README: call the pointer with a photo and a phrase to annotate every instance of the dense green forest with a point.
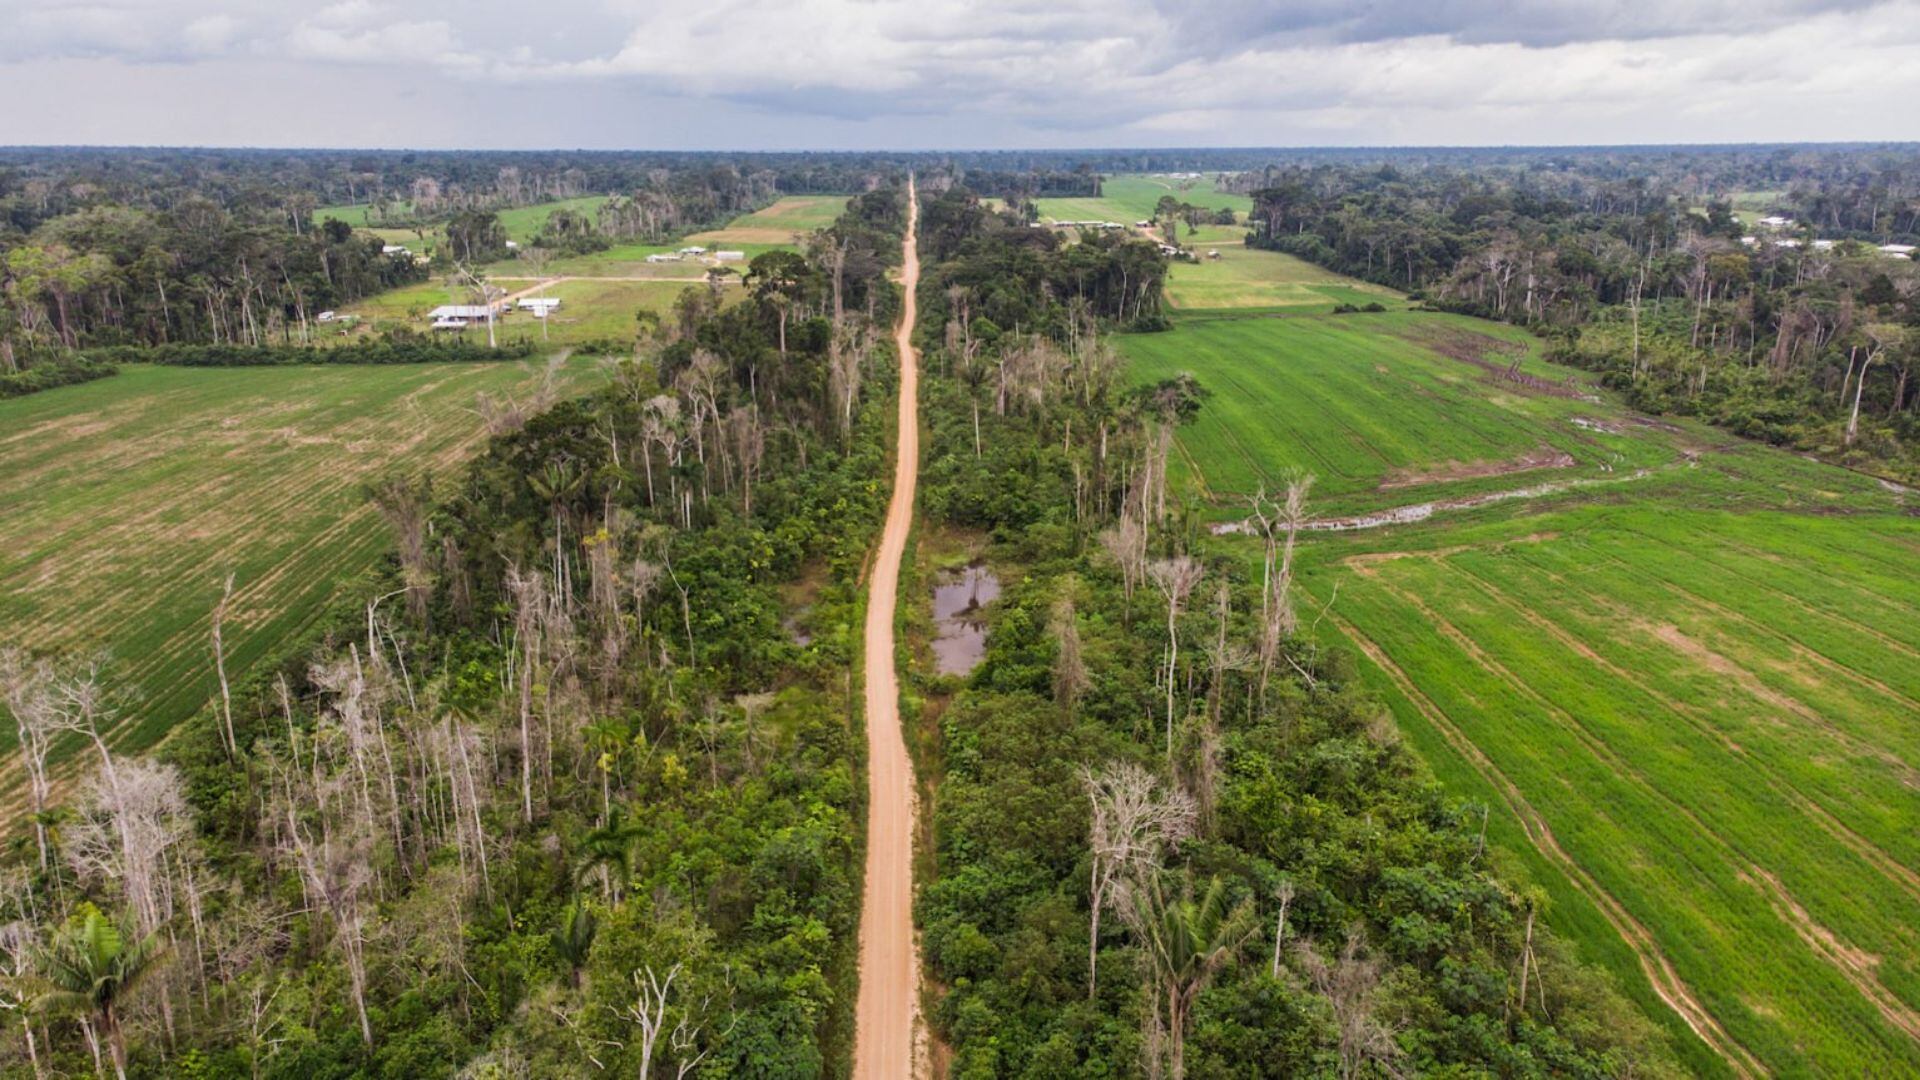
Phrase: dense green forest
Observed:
(1802, 335)
(572, 790)
(1172, 837)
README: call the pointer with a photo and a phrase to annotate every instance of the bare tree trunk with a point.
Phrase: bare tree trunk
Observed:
(220, 665)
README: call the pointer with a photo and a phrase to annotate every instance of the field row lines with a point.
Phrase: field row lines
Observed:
(1897, 874)
(1659, 971)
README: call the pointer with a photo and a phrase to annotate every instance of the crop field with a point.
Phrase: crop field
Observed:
(1681, 671)
(1131, 197)
(1371, 404)
(777, 225)
(1231, 275)
(130, 498)
(521, 222)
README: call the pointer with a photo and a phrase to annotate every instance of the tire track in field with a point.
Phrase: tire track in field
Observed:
(1594, 744)
(1666, 982)
(1799, 648)
(1855, 965)
(1757, 688)
(1896, 873)
(1726, 667)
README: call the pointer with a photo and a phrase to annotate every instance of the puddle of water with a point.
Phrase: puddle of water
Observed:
(961, 639)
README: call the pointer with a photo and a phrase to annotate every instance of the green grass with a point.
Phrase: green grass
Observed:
(1129, 198)
(1243, 277)
(590, 310)
(1364, 400)
(776, 226)
(523, 223)
(131, 497)
(1695, 661)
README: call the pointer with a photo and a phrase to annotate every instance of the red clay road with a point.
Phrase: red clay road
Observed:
(884, 1044)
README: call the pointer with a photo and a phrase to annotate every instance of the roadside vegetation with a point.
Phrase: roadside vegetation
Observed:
(568, 787)
(1171, 835)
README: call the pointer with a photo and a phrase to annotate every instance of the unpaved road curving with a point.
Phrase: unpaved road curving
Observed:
(886, 1015)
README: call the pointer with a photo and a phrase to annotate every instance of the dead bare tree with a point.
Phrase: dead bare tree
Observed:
(406, 504)
(1348, 983)
(1133, 821)
(1175, 578)
(220, 665)
(846, 359)
(18, 947)
(1279, 530)
(1070, 678)
(1126, 541)
(749, 437)
(27, 690)
(1285, 894)
(649, 1011)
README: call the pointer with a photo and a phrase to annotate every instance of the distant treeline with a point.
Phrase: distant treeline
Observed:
(1804, 335)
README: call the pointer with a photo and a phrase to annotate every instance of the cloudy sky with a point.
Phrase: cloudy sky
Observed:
(912, 74)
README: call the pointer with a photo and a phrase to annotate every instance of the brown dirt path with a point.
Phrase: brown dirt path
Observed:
(886, 1016)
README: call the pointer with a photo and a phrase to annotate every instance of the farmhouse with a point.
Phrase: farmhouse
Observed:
(1898, 251)
(730, 256)
(1775, 221)
(457, 316)
(669, 257)
(539, 305)
(394, 249)
(694, 250)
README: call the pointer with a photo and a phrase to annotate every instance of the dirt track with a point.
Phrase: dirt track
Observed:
(887, 1013)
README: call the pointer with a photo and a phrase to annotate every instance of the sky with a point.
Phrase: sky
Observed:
(933, 74)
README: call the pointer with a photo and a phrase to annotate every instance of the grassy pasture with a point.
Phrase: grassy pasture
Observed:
(1367, 400)
(1683, 672)
(1131, 197)
(589, 310)
(775, 226)
(131, 497)
(523, 223)
(1243, 277)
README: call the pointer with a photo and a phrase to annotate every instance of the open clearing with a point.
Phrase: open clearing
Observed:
(130, 498)
(1131, 197)
(1230, 275)
(1682, 670)
(590, 310)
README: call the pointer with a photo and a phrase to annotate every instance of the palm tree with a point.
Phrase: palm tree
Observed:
(93, 969)
(609, 849)
(1188, 942)
(573, 938)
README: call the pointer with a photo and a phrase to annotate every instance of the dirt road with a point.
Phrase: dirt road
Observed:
(887, 1013)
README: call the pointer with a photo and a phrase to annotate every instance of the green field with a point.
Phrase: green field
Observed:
(131, 497)
(1131, 197)
(590, 310)
(521, 222)
(1231, 275)
(1683, 671)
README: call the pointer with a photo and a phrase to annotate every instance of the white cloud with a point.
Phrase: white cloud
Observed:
(925, 72)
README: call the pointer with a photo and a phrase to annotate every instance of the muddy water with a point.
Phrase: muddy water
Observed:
(961, 639)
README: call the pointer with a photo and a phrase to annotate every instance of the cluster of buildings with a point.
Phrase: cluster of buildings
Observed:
(461, 316)
(1777, 223)
(699, 254)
